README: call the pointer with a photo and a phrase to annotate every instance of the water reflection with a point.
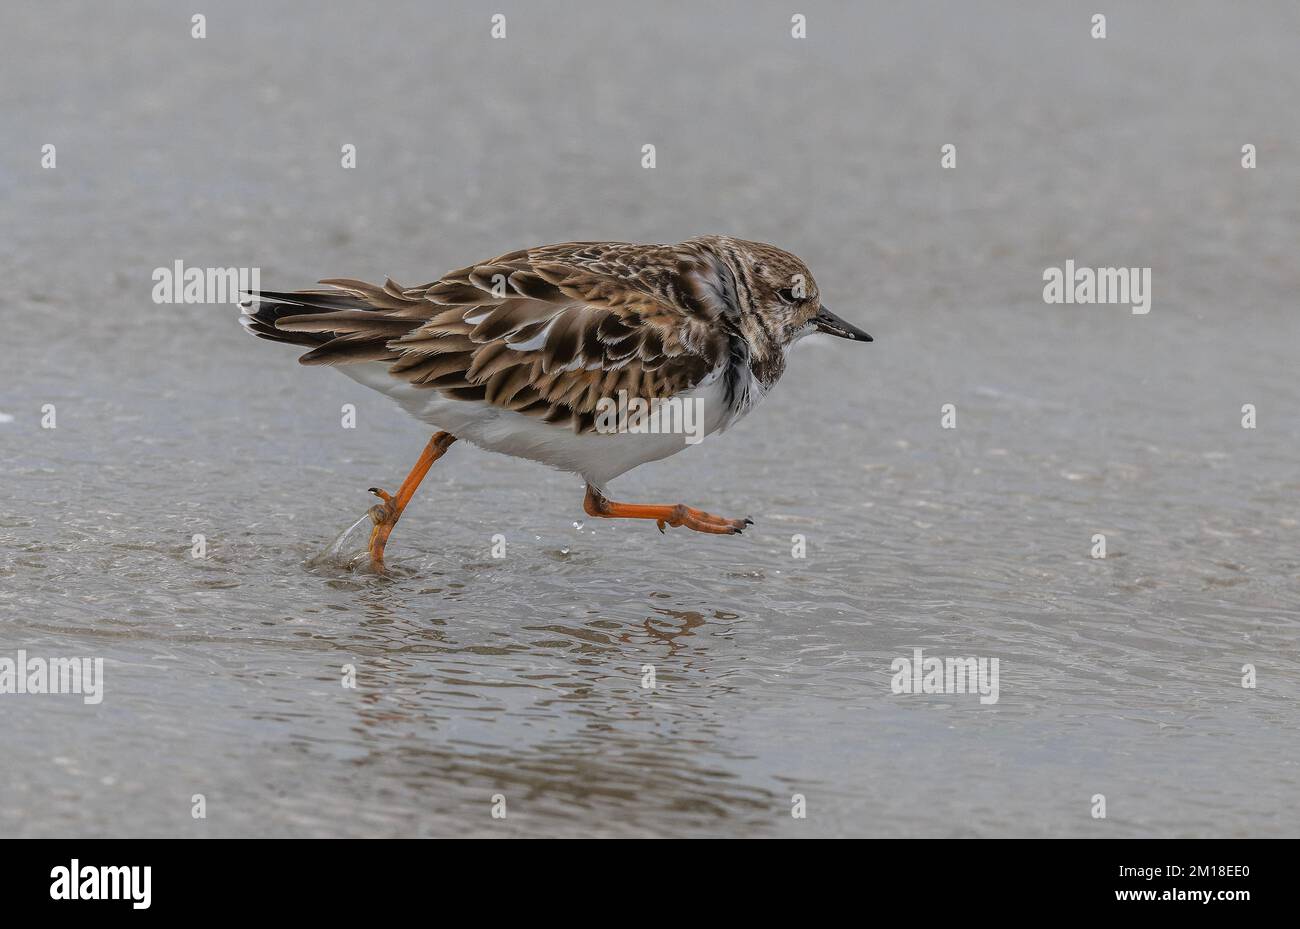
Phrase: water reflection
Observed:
(563, 727)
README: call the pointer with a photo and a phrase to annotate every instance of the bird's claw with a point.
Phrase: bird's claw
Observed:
(706, 522)
(381, 512)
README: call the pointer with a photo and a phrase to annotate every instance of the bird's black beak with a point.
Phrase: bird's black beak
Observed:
(828, 322)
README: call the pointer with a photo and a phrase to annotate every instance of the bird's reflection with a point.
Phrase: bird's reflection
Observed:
(562, 724)
(678, 625)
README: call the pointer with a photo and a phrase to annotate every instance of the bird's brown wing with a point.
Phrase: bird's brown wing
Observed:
(546, 331)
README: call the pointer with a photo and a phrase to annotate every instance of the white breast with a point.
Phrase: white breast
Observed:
(597, 458)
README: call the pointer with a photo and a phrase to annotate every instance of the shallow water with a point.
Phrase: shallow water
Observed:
(522, 676)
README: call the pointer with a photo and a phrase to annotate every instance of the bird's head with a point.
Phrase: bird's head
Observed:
(775, 298)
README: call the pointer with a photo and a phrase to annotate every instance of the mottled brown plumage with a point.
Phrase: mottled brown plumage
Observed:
(549, 331)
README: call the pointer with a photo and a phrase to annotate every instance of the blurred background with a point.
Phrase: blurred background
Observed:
(522, 676)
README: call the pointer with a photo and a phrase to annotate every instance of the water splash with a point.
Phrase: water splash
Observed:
(344, 552)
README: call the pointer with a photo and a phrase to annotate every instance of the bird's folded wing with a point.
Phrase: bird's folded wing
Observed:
(547, 332)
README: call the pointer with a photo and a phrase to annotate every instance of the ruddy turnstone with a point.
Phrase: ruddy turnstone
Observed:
(524, 354)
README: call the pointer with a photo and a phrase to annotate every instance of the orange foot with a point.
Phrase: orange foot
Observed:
(385, 515)
(664, 514)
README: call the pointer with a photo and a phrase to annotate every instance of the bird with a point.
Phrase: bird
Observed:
(589, 357)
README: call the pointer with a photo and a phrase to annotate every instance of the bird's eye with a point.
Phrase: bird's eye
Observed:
(786, 294)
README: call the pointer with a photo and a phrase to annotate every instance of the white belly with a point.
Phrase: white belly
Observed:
(597, 457)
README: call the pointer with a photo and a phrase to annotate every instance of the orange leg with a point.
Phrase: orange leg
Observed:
(385, 515)
(664, 514)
